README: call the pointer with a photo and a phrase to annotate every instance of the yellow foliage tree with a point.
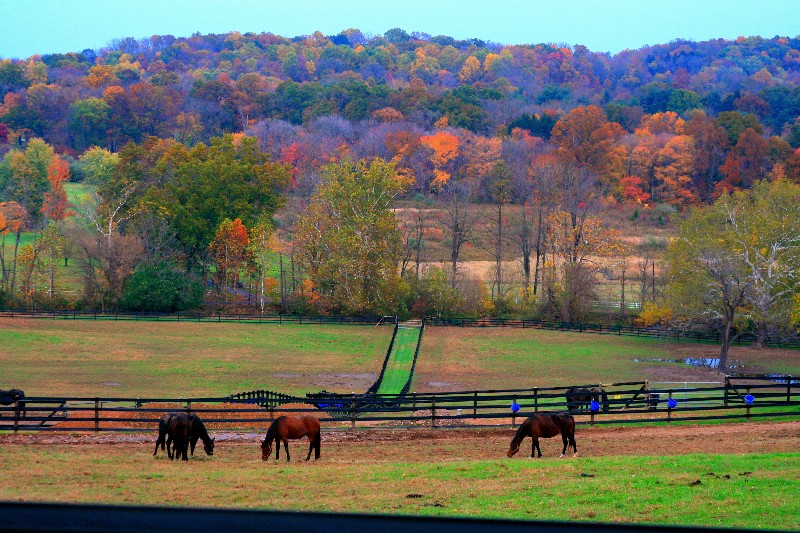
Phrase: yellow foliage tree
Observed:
(653, 314)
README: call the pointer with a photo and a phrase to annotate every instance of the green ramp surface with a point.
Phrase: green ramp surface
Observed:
(401, 360)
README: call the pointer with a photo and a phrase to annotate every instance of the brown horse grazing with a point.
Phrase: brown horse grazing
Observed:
(291, 427)
(545, 426)
(184, 429)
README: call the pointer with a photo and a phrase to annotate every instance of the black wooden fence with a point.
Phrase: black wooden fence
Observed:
(627, 403)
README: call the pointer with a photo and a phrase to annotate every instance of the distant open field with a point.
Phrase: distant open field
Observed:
(169, 359)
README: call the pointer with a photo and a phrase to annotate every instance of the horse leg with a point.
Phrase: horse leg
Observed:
(286, 447)
(310, 446)
(318, 442)
(538, 448)
(565, 440)
(534, 443)
(572, 442)
(170, 446)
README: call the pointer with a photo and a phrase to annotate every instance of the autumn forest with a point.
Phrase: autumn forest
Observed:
(407, 174)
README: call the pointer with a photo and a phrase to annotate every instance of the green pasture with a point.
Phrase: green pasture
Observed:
(190, 359)
(398, 367)
(742, 491)
(187, 359)
(78, 192)
(500, 358)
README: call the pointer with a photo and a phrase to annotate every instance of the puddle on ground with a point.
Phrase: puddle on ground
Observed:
(713, 363)
(699, 362)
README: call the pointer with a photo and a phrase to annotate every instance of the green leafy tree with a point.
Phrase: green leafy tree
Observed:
(88, 122)
(737, 262)
(23, 177)
(231, 178)
(97, 165)
(348, 239)
(162, 287)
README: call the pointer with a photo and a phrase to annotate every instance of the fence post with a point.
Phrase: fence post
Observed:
(433, 411)
(475, 405)
(271, 404)
(788, 389)
(97, 414)
(188, 405)
(669, 407)
(16, 415)
(413, 402)
(747, 405)
(727, 386)
(535, 400)
(513, 413)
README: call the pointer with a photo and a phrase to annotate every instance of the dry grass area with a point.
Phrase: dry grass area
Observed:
(735, 475)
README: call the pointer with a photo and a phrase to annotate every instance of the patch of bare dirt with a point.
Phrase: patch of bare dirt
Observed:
(484, 443)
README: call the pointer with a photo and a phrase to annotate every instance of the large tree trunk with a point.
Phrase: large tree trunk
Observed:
(726, 344)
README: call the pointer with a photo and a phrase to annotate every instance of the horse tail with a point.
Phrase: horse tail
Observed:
(566, 423)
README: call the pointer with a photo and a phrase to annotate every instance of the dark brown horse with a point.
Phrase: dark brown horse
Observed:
(182, 430)
(291, 427)
(578, 398)
(164, 439)
(12, 396)
(545, 426)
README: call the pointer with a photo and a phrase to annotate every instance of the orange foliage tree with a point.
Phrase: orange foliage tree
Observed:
(445, 150)
(586, 135)
(56, 206)
(229, 252)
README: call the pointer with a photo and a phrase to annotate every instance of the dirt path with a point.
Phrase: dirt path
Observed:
(427, 445)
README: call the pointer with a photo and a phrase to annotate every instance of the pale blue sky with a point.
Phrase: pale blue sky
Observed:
(30, 27)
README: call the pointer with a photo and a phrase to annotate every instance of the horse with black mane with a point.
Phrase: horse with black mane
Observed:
(291, 427)
(181, 431)
(545, 425)
(16, 397)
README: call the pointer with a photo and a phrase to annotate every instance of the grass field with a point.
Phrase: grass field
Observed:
(654, 475)
(152, 359)
(441, 478)
(167, 359)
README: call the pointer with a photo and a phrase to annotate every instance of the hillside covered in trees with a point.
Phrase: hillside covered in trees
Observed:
(179, 139)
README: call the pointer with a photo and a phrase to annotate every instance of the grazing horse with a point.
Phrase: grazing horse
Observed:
(11, 396)
(545, 426)
(578, 398)
(291, 427)
(184, 430)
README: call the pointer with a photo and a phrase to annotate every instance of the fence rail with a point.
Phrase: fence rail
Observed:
(631, 402)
